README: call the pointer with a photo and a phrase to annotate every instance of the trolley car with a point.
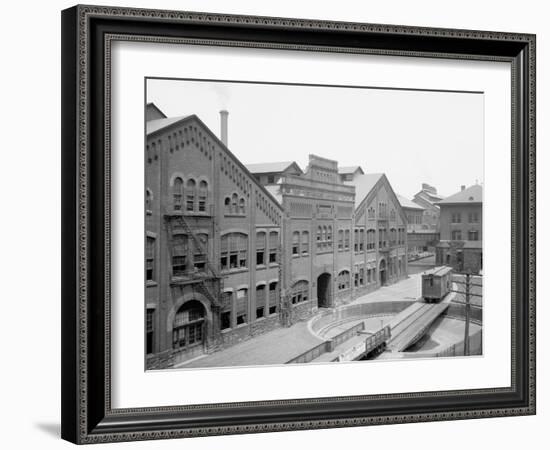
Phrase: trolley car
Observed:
(436, 284)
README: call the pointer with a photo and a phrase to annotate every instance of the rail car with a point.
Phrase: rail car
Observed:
(376, 343)
(436, 284)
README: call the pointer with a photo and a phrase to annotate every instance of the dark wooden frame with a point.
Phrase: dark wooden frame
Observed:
(87, 416)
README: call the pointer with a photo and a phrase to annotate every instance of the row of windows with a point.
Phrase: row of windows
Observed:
(473, 217)
(267, 299)
(192, 197)
(234, 205)
(473, 235)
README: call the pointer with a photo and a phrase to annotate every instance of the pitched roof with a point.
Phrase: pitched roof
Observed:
(275, 191)
(269, 167)
(406, 203)
(363, 185)
(158, 124)
(473, 194)
(350, 169)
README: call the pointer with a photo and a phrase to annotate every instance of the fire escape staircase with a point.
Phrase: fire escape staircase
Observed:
(208, 282)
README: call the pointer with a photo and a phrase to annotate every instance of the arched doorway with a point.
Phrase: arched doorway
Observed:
(324, 290)
(382, 272)
(188, 332)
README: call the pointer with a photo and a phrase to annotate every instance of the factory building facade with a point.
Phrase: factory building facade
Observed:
(231, 254)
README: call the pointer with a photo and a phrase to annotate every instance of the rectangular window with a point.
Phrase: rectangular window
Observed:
(340, 240)
(150, 330)
(346, 239)
(456, 235)
(305, 242)
(225, 320)
(356, 240)
(473, 235)
(273, 246)
(473, 217)
(273, 297)
(296, 243)
(259, 312)
(456, 218)
(150, 259)
(260, 249)
(234, 251)
(242, 306)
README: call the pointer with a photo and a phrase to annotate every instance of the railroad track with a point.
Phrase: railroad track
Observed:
(405, 330)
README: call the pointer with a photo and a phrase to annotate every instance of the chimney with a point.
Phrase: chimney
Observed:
(462, 187)
(223, 129)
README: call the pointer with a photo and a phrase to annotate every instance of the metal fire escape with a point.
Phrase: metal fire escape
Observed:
(208, 282)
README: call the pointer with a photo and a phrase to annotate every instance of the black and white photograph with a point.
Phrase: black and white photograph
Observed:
(307, 224)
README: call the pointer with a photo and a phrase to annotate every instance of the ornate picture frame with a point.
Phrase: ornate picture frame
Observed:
(88, 33)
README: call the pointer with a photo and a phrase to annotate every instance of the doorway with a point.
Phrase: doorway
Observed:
(323, 290)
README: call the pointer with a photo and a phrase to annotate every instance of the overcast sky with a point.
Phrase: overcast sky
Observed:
(411, 136)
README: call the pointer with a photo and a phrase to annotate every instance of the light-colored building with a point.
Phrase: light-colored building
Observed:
(420, 238)
(428, 198)
(461, 228)
(349, 173)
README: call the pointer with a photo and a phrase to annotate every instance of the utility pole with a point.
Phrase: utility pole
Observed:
(467, 324)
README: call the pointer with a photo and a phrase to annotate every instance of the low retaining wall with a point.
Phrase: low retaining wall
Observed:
(357, 311)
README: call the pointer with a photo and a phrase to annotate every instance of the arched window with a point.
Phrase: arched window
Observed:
(190, 195)
(203, 195)
(392, 236)
(319, 237)
(305, 242)
(241, 206)
(188, 329)
(361, 239)
(392, 215)
(343, 280)
(300, 292)
(234, 251)
(177, 193)
(227, 205)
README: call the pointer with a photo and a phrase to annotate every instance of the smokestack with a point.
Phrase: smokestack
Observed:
(223, 123)
(462, 187)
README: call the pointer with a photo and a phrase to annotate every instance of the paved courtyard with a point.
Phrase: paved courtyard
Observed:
(283, 344)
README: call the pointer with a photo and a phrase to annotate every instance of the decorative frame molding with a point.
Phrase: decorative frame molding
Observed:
(87, 34)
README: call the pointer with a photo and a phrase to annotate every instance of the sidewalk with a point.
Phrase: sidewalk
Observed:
(275, 347)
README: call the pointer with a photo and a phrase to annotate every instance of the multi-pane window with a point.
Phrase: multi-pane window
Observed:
(473, 217)
(242, 306)
(273, 297)
(234, 203)
(203, 195)
(392, 215)
(371, 239)
(346, 239)
(188, 326)
(473, 235)
(234, 250)
(340, 240)
(456, 235)
(371, 213)
(300, 292)
(200, 252)
(324, 238)
(359, 276)
(179, 255)
(190, 195)
(296, 243)
(260, 300)
(177, 193)
(260, 248)
(382, 238)
(150, 259)
(273, 246)
(242, 206)
(393, 236)
(343, 280)
(456, 218)
(227, 205)
(305, 242)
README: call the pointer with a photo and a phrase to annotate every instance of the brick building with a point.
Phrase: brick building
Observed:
(229, 257)
(460, 244)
